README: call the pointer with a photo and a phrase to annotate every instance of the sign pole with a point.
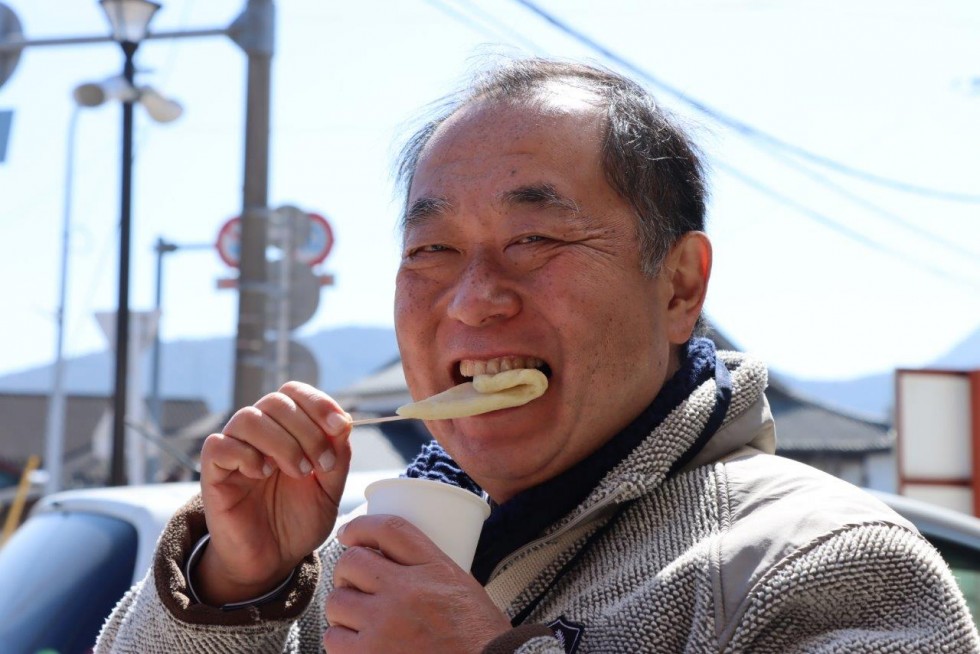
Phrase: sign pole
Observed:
(251, 360)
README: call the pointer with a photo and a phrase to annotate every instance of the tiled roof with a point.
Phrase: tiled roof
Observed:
(807, 425)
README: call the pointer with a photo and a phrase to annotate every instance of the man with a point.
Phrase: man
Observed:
(554, 218)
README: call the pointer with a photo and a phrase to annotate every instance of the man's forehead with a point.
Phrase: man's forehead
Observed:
(472, 129)
(454, 152)
(568, 94)
(552, 99)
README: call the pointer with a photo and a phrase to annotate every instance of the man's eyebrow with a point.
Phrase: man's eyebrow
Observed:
(544, 195)
(424, 208)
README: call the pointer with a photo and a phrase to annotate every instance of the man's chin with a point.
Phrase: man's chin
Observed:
(516, 424)
(494, 441)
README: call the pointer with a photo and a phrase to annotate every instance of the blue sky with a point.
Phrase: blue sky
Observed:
(821, 273)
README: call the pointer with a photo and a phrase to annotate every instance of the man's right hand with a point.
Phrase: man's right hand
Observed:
(271, 483)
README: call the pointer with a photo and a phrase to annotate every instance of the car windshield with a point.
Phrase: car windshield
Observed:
(55, 597)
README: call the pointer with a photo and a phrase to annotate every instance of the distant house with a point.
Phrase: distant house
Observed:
(853, 448)
(87, 429)
(857, 449)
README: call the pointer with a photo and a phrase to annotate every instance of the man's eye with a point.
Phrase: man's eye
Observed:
(428, 249)
(533, 238)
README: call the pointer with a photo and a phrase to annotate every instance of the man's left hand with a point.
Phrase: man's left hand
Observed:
(396, 591)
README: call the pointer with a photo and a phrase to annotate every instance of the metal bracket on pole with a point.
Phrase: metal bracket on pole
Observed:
(254, 29)
(12, 40)
(16, 43)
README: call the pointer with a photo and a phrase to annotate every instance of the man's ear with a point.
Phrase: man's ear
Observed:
(687, 270)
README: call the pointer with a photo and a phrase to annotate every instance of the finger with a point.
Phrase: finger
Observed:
(323, 411)
(348, 607)
(311, 438)
(253, 427)
(363, 569)
(340, 640)
(397, 538)
(221, 456)
(321, 408)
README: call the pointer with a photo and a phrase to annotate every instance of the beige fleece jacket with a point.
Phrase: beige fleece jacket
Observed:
(742, 551)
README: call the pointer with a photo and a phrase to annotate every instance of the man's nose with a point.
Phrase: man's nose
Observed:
(484, 294)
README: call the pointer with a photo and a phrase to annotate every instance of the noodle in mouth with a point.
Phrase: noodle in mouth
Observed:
(484, 394)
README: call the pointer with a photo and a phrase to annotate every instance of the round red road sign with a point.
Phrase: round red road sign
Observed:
(229, 242)
(318, 243)
(313, 250)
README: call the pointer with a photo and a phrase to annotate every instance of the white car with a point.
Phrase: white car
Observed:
(79, 551)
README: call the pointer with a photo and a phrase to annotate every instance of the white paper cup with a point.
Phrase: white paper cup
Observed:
(451, 517)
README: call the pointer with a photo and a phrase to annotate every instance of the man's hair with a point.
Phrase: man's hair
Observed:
(646, 156)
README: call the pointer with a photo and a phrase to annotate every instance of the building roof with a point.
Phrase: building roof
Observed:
(380, 392)
(806, 425)
(24, 419)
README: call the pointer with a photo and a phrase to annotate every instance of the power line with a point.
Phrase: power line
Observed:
(972, 256)
(497, 24)
(743, 127)
(497, 32)
(829, 223)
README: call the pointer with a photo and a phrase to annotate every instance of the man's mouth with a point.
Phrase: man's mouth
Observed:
(469, 368)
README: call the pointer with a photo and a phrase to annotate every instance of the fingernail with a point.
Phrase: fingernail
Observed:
(327, 461)
(267, 469)
(305, 467)
(336, 423)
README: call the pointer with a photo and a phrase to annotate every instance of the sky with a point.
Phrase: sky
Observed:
(843, 140)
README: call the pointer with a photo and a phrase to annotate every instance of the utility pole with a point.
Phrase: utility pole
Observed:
(255, 34)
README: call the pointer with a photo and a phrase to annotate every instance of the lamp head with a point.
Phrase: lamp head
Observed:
(129, 18)
(160, 109)
(89, 94)
(92, 94)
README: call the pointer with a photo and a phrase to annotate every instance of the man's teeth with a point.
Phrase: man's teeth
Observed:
(473, 367)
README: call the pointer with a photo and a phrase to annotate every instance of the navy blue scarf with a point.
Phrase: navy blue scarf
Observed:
(522, 518)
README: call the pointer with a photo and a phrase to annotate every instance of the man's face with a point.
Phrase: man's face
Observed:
(516, 247)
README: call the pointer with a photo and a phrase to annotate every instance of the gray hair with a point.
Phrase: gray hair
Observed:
(647, 157)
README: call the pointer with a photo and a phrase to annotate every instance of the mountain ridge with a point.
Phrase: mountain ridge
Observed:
(204, 367)
(345, 354)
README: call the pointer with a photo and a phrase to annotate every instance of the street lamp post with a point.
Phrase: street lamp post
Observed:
(129, 20)
(55, 422)
(161, 248)
(254, 32)
(161, 110)
(156, 405)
